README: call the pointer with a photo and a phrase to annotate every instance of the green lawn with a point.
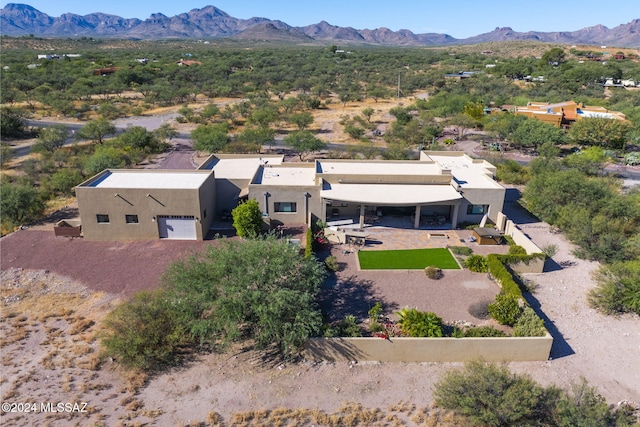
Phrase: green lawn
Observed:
(409, 259)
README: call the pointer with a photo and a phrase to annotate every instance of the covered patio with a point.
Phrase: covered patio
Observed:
(392, 205)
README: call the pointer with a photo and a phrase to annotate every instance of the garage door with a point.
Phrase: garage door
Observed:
(177, 227)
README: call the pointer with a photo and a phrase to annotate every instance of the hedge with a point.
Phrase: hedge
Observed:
(498, 269)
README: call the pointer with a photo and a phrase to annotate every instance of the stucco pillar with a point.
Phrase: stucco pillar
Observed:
(362, 215)
(307, 218)
(416, 219)
(454, 216)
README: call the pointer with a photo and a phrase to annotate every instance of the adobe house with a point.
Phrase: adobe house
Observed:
(448, 187)
(565, 113)
(441, 188)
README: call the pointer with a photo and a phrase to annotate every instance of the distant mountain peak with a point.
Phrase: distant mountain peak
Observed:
(21, 19)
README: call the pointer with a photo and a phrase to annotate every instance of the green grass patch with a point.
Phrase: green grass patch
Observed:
(408, 259)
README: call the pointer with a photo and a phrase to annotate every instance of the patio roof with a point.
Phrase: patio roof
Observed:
(390, 194)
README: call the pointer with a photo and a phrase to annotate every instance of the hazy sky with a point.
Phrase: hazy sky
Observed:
(458, 18)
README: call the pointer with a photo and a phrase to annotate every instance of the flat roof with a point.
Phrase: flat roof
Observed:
(379, 168)
(288, 176)
(153, 179)
(241, 168)
(466, 172)
(389, 194)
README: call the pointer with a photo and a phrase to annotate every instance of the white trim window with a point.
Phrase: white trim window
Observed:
(285, 207)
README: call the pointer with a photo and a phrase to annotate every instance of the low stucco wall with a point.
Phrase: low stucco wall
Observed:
(510, 228)
(429, 349)
(533, 266)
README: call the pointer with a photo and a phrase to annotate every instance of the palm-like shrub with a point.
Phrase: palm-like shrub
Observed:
(416, 323)
(476, 263)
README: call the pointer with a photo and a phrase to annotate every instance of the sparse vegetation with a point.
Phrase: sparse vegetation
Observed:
(471, 392)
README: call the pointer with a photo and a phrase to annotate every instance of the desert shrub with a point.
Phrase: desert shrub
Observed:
(262, 290)
(476, 263)
(144, 332)
(331, 262)
(618, 289)
(65, 179)
(489, 395)
(483, 331)
(347, 327)
(433, 273)
(461, 250)
(529, 324)
(583, 406)
(20, 204)
(517, 250)
(550, 250)
(375, 312)
(632, 159)
(416, 323)
(505, 309)
(511, 172)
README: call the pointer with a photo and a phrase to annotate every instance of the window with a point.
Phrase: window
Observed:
(102, 218)
(477, 209)
(284, 207)
(131, 219)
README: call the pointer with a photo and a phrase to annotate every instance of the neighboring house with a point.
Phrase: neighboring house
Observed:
(147, 204)
(105, 71)
(449, 186)
(188, 63)
(460, 75)
(565, 113)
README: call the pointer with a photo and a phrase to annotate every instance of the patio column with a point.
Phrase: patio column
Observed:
(454, 216)
(416, 219)
(362, 216)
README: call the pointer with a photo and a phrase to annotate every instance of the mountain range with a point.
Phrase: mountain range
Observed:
(211, 22)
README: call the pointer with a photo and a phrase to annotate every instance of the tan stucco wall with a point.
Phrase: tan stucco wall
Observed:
(227, 192)
(118, 202)
(283, 193)
(494, 197)
(429, 349)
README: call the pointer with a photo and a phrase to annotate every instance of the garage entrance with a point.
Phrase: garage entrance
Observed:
(177, 227)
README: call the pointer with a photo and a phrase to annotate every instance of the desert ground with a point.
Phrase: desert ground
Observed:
(55, 291)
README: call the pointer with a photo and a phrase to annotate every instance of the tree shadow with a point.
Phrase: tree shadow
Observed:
(514, 211)
(68, 212)
(350, 296)
(551, 265)
(560, 347)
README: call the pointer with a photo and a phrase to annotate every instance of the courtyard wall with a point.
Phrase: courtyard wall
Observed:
(363, 349)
